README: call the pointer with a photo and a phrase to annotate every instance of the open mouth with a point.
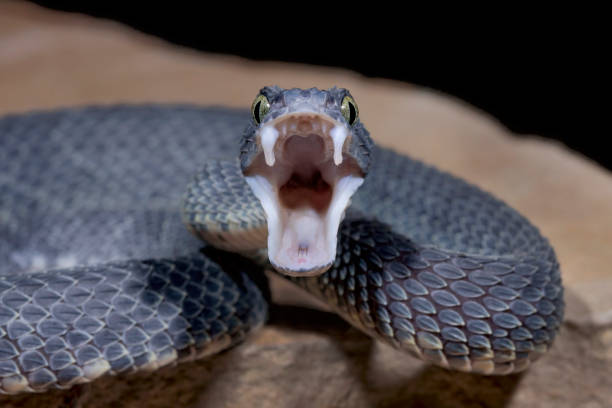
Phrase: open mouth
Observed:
(304, 179)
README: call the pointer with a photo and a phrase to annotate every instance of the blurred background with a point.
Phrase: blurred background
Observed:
(536, 75)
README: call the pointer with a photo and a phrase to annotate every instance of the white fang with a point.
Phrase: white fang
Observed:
(338, 134)
(268, 136)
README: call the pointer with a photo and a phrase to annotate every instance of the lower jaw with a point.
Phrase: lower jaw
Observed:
(302, 241)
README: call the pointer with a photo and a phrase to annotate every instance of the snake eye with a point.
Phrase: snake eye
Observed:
(349, 110)
(260, 108)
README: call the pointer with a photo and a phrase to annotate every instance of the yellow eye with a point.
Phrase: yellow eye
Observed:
(349, 110)
(260, 108)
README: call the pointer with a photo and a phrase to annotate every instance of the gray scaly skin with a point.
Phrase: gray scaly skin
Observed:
(99, 276)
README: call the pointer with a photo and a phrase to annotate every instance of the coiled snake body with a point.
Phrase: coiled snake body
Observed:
(99, 275)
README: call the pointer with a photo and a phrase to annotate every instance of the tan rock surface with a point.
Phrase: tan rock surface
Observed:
(307, 357)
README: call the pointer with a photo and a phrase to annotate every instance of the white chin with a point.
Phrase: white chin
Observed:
(304, 181)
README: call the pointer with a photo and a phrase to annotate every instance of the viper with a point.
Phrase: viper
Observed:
(109, 266)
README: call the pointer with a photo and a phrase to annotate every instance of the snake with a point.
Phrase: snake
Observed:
(136, 236)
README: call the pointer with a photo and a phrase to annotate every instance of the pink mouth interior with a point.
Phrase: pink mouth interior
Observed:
(306, 186)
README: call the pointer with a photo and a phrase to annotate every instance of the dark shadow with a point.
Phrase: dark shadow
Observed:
(438, 387)
(235, 265)
(299, 318)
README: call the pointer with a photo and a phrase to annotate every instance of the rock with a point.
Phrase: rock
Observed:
(307, 356)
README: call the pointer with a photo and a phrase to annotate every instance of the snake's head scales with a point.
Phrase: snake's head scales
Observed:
(304, 154)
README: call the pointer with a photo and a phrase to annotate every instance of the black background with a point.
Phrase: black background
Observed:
(534, 78)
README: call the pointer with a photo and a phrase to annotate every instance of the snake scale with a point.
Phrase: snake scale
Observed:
(98, 274)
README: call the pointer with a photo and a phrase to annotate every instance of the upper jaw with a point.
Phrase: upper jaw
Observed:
(272, 135)
(304, 178)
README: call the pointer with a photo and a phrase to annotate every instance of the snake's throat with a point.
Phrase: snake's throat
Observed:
(304, 180)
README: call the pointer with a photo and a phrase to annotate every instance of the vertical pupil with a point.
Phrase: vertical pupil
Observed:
(352, 113)
(256, 112)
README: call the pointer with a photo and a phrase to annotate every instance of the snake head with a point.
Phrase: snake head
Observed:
(304, 154)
